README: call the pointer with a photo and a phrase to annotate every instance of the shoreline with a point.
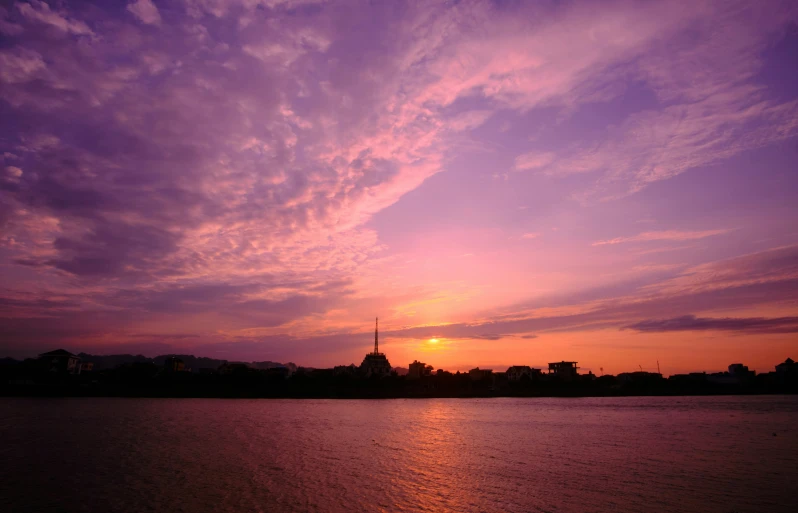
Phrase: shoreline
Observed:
(164, 394)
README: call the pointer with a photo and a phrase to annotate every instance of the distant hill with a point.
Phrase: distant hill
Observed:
(195, 363)
(271, 365)
(400, 371)
(112, 361)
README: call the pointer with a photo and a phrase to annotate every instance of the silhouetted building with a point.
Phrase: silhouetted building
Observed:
(61, 361)
(478, 374)
(740, 373)
(639, 377)
(691, 378)
(787, 372)
(563, 370)
(376, 363)
(737, 374)
(86, 366)
(722, 378)
(788, 366)
(279, 371)
(230, 368)
(174, 364)
(418, 370)
(519, 372)
(345, 370)
(738, 369)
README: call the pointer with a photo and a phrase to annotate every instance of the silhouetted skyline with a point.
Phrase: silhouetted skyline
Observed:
(374, 364)
(61, 373)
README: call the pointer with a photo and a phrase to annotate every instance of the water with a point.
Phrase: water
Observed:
(714, 454)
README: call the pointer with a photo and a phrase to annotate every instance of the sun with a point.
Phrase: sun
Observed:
(433, 344)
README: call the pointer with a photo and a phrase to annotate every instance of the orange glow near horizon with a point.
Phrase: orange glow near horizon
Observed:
(605, 185)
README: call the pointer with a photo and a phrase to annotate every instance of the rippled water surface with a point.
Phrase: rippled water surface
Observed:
(712, 454)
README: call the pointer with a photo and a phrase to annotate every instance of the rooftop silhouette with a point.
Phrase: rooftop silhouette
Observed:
(61, 372)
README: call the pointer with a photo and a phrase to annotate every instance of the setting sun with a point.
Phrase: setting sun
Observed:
(401, 255)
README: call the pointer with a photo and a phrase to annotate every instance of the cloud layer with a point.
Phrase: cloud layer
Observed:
(276, 172)
(746, 324)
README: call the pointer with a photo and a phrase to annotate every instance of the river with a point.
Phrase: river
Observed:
(692, 454)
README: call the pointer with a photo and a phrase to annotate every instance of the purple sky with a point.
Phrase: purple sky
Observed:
(501, 182)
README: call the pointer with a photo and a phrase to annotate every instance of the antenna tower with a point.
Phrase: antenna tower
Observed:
(376, 330)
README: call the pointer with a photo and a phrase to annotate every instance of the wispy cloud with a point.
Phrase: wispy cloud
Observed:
(533, 160)
(39, 11)
(669, 235)
(739, 324)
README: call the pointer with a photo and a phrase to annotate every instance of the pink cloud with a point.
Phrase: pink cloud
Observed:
(39, 11)
(146, 11)
(667, 235)
(533, 160)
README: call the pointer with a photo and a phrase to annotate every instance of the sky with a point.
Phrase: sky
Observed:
(502, 183)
